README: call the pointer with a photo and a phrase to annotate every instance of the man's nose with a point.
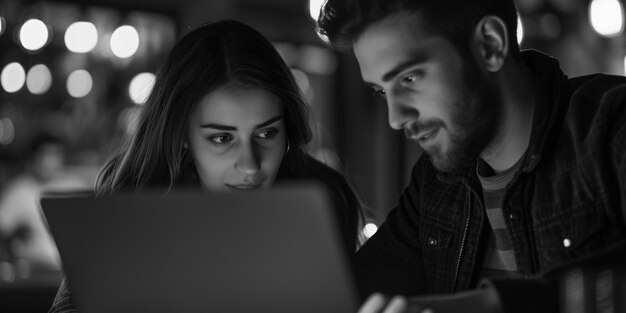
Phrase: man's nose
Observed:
(400, 111)
(248, 159)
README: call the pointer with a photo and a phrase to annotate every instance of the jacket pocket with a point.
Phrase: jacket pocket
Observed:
(435, 235)
(439, 256)
(573, 233)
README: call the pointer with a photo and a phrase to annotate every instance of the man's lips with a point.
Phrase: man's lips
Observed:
(423, 135)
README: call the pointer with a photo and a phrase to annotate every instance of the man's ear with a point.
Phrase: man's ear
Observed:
(491, 42)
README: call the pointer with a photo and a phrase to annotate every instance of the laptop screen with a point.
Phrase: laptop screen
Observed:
(275, 250)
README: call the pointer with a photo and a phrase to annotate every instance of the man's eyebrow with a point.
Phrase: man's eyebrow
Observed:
(231, 128)
(370, 85)
(414, 60)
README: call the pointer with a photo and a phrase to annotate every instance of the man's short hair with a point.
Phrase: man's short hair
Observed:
(343, 21)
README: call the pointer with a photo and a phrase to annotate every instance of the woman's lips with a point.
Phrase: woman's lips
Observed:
(243, 187)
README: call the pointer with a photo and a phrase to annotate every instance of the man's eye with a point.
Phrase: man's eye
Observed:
(379, 92)
(267, 133)
(221, 139)
(410, 79)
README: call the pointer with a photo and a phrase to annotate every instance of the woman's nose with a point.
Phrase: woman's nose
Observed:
(248, 159)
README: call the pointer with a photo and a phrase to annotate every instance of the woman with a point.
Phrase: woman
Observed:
(224, 114)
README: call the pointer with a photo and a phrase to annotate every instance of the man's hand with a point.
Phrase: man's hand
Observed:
(483, 300)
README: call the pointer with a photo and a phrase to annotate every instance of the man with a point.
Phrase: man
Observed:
(523, 171)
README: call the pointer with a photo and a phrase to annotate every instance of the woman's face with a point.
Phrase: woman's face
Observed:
(237, 138)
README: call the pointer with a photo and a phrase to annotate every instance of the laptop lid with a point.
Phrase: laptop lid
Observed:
(274, 250)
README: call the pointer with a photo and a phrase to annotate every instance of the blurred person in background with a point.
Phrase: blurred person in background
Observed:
(523, 170)
(23, 229)
(225, 114)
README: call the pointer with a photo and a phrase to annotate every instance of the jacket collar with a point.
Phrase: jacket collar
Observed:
(549, 109)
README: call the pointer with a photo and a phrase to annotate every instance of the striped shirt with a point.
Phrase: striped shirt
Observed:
(499, 258)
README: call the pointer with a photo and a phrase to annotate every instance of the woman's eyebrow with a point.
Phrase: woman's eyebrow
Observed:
(218, 126)
(270, 121)
(232, 128)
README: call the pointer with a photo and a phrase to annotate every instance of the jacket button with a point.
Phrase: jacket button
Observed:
(432, 241)
(567, 242)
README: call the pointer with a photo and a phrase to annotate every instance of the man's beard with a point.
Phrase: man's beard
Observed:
(476, 119)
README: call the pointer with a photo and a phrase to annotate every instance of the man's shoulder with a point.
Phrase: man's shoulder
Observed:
(595, 86)
(597, 99)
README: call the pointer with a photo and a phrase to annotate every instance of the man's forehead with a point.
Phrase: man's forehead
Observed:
(373, 56)
(384, 44)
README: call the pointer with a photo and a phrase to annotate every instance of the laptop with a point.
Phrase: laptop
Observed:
(274, 250)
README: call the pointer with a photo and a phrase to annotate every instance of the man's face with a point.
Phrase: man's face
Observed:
(434, 95)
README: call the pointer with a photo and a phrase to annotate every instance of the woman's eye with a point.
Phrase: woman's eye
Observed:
(267, 133)
(221, 139)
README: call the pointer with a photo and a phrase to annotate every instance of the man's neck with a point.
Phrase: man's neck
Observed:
(517, 86)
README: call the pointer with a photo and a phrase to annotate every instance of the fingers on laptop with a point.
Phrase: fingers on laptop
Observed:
(379, 303)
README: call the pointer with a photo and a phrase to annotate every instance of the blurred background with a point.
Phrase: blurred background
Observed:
(75, 73)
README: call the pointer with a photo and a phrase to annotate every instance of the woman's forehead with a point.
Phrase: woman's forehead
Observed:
(238, 105)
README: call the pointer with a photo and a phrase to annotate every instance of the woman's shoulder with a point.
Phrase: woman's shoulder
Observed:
(316, 170)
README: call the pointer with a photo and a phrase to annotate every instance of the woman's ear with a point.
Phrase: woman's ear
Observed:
(491, 42)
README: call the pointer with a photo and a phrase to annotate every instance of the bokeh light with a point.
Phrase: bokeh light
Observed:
(140, 87)
(38, 79)
(520, 30)
(13, 77)
(7, 131)
(34, 34)
(79, 83)
(606, 17)
(2, 25)
(550, 25)
(81, 37)
(124, 41)
(301, 79)
(317, 60)
(127, 120)
(314, 8)
(370, 229)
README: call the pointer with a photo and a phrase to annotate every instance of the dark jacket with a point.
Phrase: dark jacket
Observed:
(567, 201)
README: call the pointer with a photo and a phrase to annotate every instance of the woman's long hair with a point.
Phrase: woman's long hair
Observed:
(203, 60)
